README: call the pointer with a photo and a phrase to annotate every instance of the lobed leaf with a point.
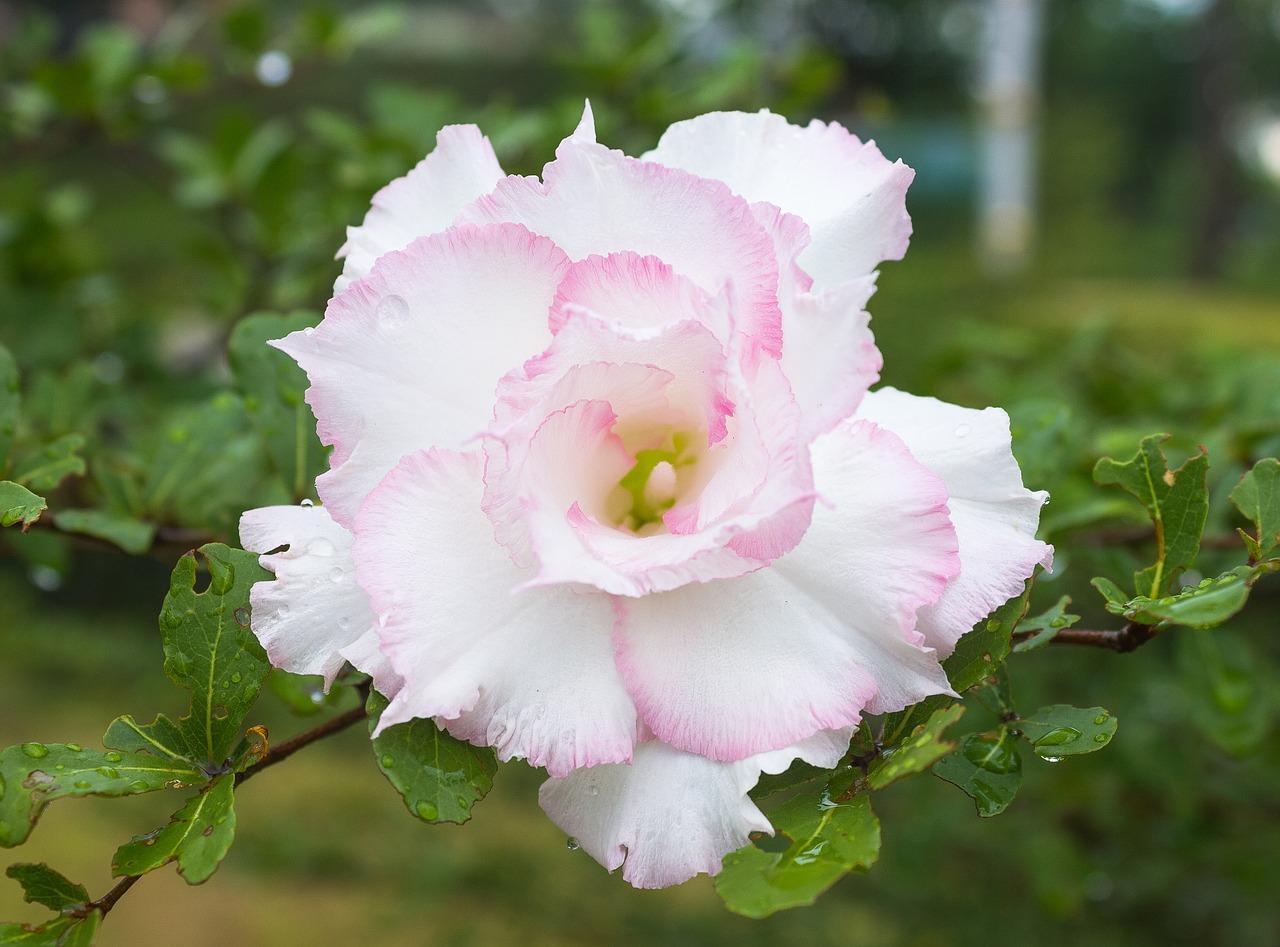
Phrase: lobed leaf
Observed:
(42, 885)
(924, 747)
(34, 774)
(1044, 627)
(1177, 501)
(984, 648)
(198, 837)
(18, 505)
(987, 767)
(69, 930)
(1257, 497)
(830, 832)
(1062, 730)
(439, 776)
(1205, 605)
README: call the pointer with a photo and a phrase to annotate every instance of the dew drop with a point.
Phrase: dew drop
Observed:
(306, 503)
(1052, 759)
(962, 430)
(1102, 718)
(242, 617)
(336, 574)
(112, 757)
(82, 784)
(282, 611)
(235, 677)
(1101, 738)
(108, 772)
(220, 713)
(595, 790)
(74, 747)
(392, 311)
(993, 625)
(1057, 623)
(572, 844)
(35, 750)
(388, 761)
(426, 810)
(320, 547)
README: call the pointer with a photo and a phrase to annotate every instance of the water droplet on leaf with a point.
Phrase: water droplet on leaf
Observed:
(35, 750)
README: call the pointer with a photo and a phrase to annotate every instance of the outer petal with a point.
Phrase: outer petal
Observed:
(670, 815)
(314, 611)
(850, 195)
(596, 201)
(424, 201)
(528, 673)
(410, 356)
(829, 353)
(734, 668)
(995, 516)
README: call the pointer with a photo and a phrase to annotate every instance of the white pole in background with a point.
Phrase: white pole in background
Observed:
(1008, 99)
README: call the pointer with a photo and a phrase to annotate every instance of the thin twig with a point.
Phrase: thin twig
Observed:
(1135, 535)
(1129, 638)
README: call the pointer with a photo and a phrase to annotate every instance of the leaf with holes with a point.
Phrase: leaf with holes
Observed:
(1062, 730)
(209, 651)
(440, 777)
(198, 837)
(34, 774)
(1176, 500)
(829, 836)
(69, 930)
(986, 767)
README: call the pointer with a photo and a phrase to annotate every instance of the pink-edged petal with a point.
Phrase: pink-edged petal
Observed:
(668, 815)
(734, 668)
(636, 293)
(995, 516)
(596, 201)
(425, 201)
(850, 195)
(829, 353)
(410, 356)
(314, 609)
(527, 672)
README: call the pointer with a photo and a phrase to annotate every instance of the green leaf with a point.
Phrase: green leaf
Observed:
(19, 505)
(440, 777)
(198, 837)
(986, 767)
(917, 752)
(209, 651)
(1206, 605)
(34, 774)
(1109, 590)
(1176, 500)
(303, 693)
(829, 837)
(10, 400)
(1229, 688)
(1045, 626)
(273, 386)
(47, 467)
(66, 931)
(984, 648)
(131, 535)
(1257, 497)
(1062, 730)
(42, 885)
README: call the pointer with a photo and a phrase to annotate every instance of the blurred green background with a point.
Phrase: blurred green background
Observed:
(169, 168)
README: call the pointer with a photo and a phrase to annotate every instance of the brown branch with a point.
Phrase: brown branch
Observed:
(1129, 638)
(1136, 535)
(105, 903)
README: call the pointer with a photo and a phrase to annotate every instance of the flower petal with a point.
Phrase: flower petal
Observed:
(995, 516)
(668, 815)
(529, 673)
(596, 201)
(410, 356)
(425, 201)
(850, 195)
(734, 668)
(314, 609)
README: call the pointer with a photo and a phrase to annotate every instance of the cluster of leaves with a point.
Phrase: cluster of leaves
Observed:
(210, 653)
(824, 819)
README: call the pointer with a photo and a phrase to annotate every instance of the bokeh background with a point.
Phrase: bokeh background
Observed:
(1097, 248)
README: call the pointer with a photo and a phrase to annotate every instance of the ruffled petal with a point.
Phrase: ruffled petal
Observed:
(592, 200)
(668, 815)
(314, 610)
(425, 201)
(410, 356)
(995, 516)
(529, 673)
(829, 353)
(850, 195)
(734, 668)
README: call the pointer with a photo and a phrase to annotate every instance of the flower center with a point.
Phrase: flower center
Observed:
(653, 485)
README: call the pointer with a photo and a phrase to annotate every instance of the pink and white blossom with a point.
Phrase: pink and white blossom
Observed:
(609, 491)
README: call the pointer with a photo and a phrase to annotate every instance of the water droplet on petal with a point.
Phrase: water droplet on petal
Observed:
(306, 503)
(320, 547)
(392, 311)
(336, 574)
(572, 844)
(962, 430)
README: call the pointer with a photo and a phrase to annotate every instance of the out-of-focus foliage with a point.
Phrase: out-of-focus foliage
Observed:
(175, 185)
